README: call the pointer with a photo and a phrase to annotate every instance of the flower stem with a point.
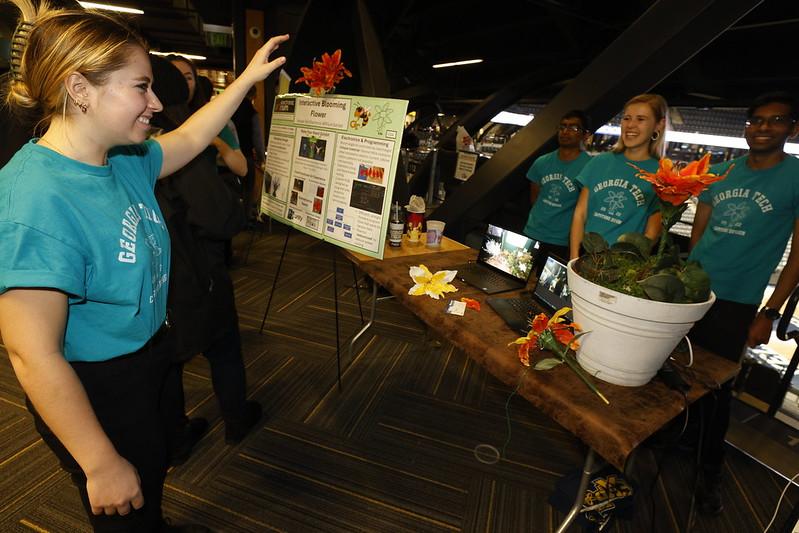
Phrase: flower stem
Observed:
(550, 343)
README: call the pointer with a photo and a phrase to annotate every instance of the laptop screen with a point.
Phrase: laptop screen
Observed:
(552, 288)
(509, 252)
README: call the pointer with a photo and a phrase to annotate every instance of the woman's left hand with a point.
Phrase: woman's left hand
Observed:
(260, 67)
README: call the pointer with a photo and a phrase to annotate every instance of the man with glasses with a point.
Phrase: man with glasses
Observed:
(553, 189)
(741, 228)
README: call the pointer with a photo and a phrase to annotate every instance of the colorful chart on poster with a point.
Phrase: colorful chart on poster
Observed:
(330, 167)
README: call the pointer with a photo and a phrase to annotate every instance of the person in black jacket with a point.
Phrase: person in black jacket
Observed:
(201, 211)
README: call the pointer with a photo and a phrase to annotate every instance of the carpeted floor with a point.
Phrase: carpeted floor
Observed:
(392, 451)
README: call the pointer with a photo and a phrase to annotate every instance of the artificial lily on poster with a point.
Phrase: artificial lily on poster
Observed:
(558, 337)
(433, 285)
(324, 75)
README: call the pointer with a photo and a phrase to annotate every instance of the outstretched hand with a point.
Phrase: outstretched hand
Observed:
(260, 67)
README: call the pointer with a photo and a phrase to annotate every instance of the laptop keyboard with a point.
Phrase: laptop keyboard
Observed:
(487, 278)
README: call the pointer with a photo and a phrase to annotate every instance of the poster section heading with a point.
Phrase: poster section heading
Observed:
(330, 167)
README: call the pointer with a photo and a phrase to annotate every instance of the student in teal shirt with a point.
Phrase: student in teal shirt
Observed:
(740, 231)
(614, 200)
(84, 255)
(553, 189)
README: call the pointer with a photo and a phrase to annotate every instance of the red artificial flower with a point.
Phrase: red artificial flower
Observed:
(562, 332)
(675, 185)
(325, 74)
(471, 303)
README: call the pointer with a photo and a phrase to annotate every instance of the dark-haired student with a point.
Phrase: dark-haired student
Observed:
(741, 228)
(553, 188)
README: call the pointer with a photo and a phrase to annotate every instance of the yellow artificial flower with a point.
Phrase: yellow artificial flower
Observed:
(433, 285)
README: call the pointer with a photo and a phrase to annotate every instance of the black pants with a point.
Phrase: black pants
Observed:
(723, 330)
(227, 377)
(125, 395)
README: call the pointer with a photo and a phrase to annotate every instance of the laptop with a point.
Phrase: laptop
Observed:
(505, 262)
(551, 293)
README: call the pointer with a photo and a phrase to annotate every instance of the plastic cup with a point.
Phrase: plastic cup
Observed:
(435, 231)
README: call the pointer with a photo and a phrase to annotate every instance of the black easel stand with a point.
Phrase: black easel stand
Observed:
(335, 298)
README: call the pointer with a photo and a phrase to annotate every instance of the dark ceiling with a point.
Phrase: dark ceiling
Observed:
(552, 39)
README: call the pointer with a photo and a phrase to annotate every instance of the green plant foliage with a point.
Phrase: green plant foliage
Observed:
(641, 242)
(628, 267)
(594, 243)
(663, 287)
(548, 363)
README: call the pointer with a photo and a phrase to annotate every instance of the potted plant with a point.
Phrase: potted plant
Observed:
(637, 306)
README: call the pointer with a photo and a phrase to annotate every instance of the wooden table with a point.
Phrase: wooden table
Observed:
(406, 250)
(612, 431)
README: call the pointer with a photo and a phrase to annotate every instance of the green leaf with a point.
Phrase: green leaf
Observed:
(696, 282)
(627, 248)
(663, 288)
(641, 242)
(671, 213)
(594, 243)
(548, 363)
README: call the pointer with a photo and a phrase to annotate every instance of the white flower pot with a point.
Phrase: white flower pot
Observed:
(628, 338)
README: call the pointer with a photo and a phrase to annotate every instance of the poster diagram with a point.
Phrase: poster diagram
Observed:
(330, 167)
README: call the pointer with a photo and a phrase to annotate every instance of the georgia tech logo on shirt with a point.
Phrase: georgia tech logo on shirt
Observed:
(620, 183)
(130, 224)
(737, 207)
(557, 183)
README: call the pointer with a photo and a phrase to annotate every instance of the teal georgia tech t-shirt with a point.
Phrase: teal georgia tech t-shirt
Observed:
(752, 218)
(95, 233)
(550, 218)
(619, 201)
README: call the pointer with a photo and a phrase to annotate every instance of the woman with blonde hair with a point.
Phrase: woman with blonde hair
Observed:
(84, 252)
(613, 200)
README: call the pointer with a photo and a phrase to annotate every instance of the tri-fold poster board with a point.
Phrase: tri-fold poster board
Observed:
(330, 167)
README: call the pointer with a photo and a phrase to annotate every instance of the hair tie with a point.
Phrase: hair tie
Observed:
(18, 44)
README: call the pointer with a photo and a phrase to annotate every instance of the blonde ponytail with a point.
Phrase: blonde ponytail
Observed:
(50, 44)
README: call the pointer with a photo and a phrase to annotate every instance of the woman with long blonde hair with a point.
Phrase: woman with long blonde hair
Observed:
(84, 253)
(613, 200)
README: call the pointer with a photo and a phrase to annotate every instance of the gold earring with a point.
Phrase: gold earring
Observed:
(82, 106)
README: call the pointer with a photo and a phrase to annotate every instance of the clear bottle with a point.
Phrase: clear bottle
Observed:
(395, 226)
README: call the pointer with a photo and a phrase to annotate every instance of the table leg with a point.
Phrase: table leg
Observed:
(588, 468)
(368, 324)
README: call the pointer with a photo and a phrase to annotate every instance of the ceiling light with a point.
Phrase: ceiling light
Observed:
(722, 141)
(517, 119)
(109, 7)
(458, 63)
(187, 56)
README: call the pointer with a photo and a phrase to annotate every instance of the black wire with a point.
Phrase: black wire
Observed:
(659, 462)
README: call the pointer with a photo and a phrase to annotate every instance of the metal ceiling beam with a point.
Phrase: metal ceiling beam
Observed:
(372, 68)
(667, 35)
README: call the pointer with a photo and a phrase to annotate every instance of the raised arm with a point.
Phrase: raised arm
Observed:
(32, 322)
(760, 330)
(578, 224)
(183, 144)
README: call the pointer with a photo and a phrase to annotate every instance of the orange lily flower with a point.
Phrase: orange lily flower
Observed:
(536, 340)
(324, 74)
(675, 185)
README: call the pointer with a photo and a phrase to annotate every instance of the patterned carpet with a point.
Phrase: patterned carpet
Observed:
(392, 451)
